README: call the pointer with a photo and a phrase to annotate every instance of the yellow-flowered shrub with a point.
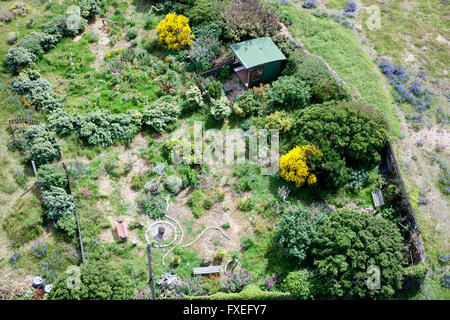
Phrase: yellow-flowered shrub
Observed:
(174, 32)
(294, 166)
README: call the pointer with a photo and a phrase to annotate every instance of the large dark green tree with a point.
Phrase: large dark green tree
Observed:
(347, 245)
(96, 282)
(349, 134)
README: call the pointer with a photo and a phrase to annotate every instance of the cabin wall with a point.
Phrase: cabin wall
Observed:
(271, 71)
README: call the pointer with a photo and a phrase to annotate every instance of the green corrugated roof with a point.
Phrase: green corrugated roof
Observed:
(255, 52)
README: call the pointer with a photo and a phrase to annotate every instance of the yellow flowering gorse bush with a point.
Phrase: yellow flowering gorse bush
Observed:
(174, 32)
(294, 167)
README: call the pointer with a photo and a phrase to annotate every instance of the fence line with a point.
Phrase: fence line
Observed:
(80, 239)
(417, 249)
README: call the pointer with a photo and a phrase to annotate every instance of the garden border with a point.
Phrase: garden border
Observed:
(417, 249)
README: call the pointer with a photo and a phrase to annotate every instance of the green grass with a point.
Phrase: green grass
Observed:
(340, 49)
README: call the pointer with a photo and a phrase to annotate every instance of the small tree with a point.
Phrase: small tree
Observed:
(220, 108)
(298, 284)
(294, 165)
(296, 231)
(289, 93)
(174, 32)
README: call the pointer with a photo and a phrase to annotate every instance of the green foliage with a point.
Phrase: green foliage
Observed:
(58, 203)
(39, 144)
(64, 123)
(18, 58)
(250, 292)
(38, 42)
(358, 132)
(220, 108)
(194, 202)
(23, 221)
(194, 98)
(132, 33)
(67, 25)
(214, 88)
(202, 51)
(297, 230)
(248, 104)
(289, 93)
(174, 184)
(280, 120)
(98, 282)
(161, 113)
(348, 244)
(50, 175)
(298, 284)
(152, 206)
(247, 242)
(205, 12)
(89, 8)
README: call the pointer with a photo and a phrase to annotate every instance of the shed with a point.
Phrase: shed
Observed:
(122, 230)
(258, 61)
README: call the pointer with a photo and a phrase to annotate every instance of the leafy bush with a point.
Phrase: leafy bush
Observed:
(132, 33)
(154, 207)
(67, 25)
(294, 165)
(97, 282)
(250, 103)
(89, 8)
(220, 108)
(174, 184)
(247, 242)
(235, 282)
(50, 175)
(18, 58)
(279, 120)
(202, 51)
(289, 93)
(347, 244)
(359, 134)
(250, 292)
(205, 12)
(162, 113)
(214, 88)
(103, 128)
(64, 123)
(194, 202)
(183, 287)
(174, 32)
(38, 42)
(296, 231)
(39, 145)
(298, 284)
(194, 98)
(58, 203)
(245, 19)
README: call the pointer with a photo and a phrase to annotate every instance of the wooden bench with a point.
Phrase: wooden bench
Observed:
(377, 197)
(207, 270)
(122, 230)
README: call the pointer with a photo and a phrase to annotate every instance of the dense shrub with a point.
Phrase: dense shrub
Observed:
(89, 8)
(174, 184)
(58, 203)
(205, 12)
(18, 58)
(103, 128)
(289, 93)
(39, 144)
(250, 292)
(214, 87)
(202, 52)
(132, 33)
(64, 123)
(279, 120)
(23, 85)
(348, 244)
(97, 282)
(220, 108)
(46, 100)
(294, 165)
(194, 98)
(297, 229)
(245, 19)
(67, 25)
(347, 133)
(207, 31)
(250, 103)
(161, 113)
(152, 206)
(50, 175)
(298, 284)
(235, 282)
(174, 32)
(38, 42)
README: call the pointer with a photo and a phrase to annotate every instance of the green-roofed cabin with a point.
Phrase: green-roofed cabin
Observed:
(257, 61)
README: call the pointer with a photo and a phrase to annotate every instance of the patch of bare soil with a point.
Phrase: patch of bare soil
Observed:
(104, 185)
